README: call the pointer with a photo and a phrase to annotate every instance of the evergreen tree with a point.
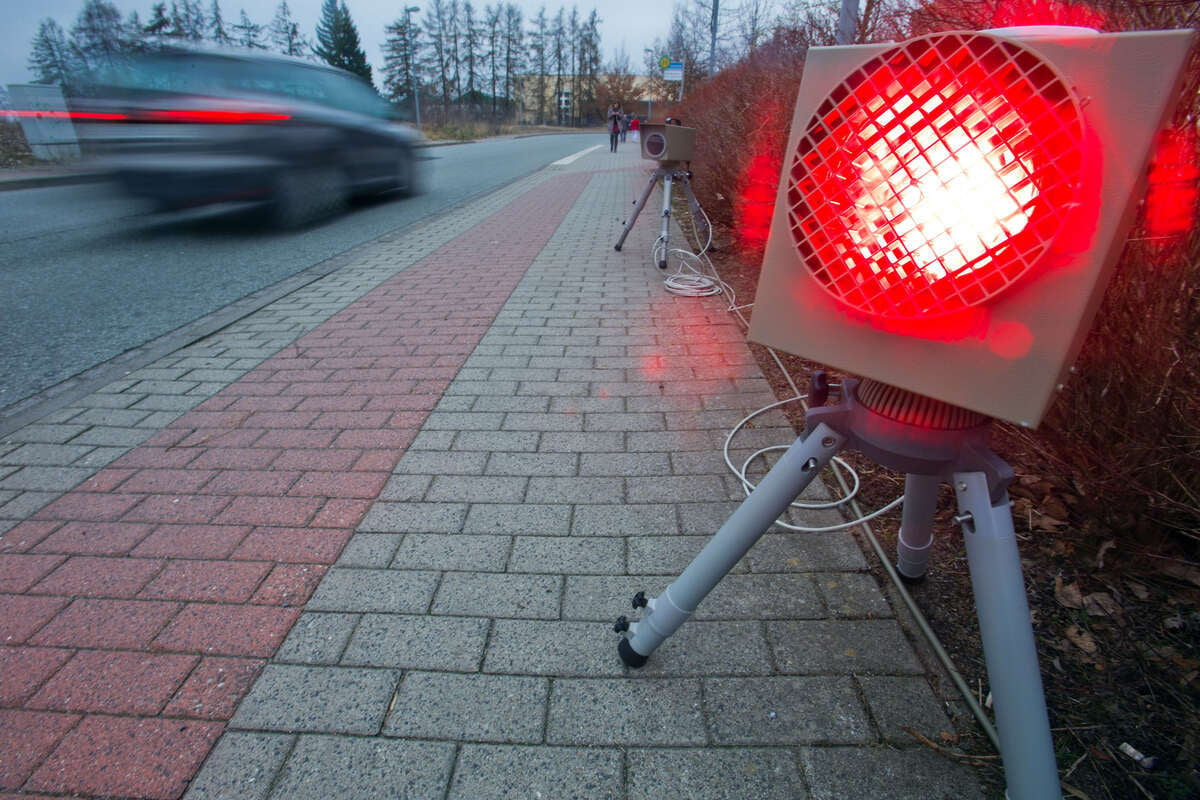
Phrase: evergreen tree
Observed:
(216, 26)
(159, 26)
(285, 32)
(248, 34)
(50, 57)
(470, 46)
(97, 38)
(132, 38)
(400, 59)
(514, 48)
(337, 40)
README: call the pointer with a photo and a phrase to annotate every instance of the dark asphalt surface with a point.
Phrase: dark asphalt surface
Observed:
(86, 274)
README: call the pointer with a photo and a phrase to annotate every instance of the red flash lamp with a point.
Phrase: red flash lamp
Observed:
(950, 207)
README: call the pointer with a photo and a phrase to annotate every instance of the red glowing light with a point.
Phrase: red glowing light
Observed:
(214, 116)
(935, 176)
(1174, 185)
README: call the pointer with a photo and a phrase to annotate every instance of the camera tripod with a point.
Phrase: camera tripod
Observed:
(669, 173)
(931, 442)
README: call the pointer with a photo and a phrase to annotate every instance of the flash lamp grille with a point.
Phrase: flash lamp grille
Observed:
(935, 175)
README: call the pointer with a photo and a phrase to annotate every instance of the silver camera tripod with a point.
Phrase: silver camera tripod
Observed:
(931, 442)
(669, 173)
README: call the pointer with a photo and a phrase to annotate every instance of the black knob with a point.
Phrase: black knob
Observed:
(640, 601)
(621, 625)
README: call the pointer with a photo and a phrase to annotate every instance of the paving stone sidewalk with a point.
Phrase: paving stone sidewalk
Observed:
(370, 541)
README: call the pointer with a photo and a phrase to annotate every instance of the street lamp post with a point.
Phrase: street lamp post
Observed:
(412, 77)
(650, 102)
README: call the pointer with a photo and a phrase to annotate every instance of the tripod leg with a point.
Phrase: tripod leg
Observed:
(665, 236)
(1008, 644)
(703, 230)
(665, 613)
(916, 525)
(637, 209)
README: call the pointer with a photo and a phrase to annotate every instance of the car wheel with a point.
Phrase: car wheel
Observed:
(406, 173)
(307, 195)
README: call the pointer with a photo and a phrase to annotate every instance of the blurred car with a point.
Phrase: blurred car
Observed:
(188, 127)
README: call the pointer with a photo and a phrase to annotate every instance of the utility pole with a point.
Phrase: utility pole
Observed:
(712, 45)
(412, 76)
(847, 22)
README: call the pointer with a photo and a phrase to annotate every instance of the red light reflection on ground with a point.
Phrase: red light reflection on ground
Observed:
(1174, 185)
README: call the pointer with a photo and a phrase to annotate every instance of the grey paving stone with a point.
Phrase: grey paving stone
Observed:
(387, 517)
(625, 465)
(112, 437)
(431, 440)
(563, 773)
(51, 479)
(384, 590)
(241, 767)
(900, 701)
(417, 642)
(852, 594)
(375, 550)
(45, 432)
(463, 421)
(841, 647)
(568, 555)
(478, 489)
(430, 462)
(575, 490)
(526, 518)
(620, 711)
(623, 519)
(453, 551)
(676, 489)
(784, 596)
(785, 710)
(806, 552)
(552, 647)
(668, 555)
(529, 464)
(727, 774)
(519, 421)
(25, 504)
(294, 698)
(47, 455)
(475, 708)
(498, 441)
(406, 488)
(835, 773)
(582, 442)
(490, 594)
(317, 638)
(324, 767)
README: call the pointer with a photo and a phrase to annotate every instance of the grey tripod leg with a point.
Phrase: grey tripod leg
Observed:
(665, 237)
(665, 613)
(637, 209)
(916, 525)
(1008, 643)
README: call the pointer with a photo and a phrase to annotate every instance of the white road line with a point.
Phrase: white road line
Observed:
(571, 159)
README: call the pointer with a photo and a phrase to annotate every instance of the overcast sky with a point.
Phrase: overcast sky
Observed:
(627, 24)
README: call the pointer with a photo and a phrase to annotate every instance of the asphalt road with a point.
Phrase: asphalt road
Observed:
(86, 275)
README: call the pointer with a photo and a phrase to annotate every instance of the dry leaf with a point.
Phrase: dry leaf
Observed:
(1081, 639)
(1139, 590)
(1104, 548)
(1053, 507)
(1181, 571)
(1067, 594)
(1101, 604)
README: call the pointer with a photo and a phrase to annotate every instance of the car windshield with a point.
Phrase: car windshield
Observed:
(199, 74)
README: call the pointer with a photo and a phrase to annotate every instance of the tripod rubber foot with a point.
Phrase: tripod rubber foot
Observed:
(631, 657)
(911, 581)
(617, 248)
(662, 265)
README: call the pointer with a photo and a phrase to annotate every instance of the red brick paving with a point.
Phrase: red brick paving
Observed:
(137, 609)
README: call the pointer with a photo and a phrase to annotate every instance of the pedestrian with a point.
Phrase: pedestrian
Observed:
(634, 127)
(624, 126)
(614, 126)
